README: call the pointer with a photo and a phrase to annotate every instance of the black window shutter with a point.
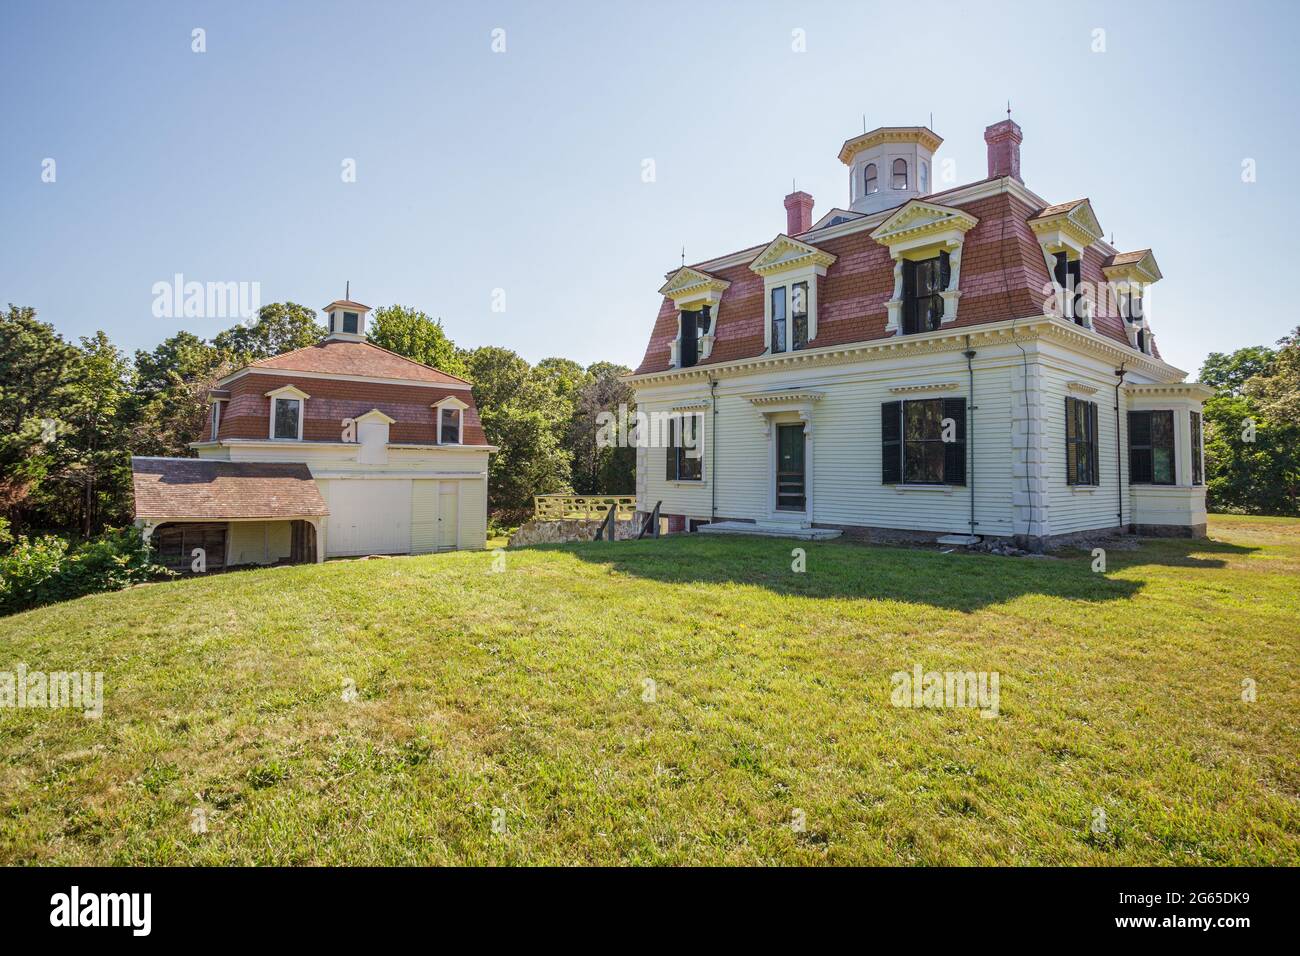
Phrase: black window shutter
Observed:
(1060, 270)
(954, 452)
(891, 443)
(671, 453)
(1071, 449)
(945, 270)
(1093, 445)
(690, 344)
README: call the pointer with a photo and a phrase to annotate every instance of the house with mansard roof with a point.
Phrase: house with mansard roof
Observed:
(338, 449)
(972, 362)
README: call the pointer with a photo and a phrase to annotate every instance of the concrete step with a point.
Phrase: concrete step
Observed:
(787, 530)
(961, 540)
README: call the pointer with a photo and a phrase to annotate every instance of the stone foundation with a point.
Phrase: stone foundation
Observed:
(1169, 530)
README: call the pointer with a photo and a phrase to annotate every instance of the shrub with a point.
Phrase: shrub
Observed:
(43, 570)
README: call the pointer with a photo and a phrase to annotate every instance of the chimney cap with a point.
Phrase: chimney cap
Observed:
(1003, 130)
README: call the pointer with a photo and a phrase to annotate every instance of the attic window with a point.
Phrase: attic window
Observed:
(350, 322)
(900, 174)
(286, 420)
(449, 426)
(869, 178)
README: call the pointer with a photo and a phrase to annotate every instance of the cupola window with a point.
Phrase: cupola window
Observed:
(900, 174)
(869, 177)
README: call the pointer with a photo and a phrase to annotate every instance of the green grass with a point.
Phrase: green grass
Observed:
(521, 691)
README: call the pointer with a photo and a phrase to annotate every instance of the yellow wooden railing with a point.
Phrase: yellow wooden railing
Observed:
(588, 507)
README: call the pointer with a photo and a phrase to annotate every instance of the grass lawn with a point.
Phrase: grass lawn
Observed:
(517, 697)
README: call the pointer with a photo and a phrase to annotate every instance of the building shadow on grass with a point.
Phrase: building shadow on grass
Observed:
(839, 570)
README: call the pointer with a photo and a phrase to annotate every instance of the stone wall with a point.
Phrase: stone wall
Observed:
(567, 529)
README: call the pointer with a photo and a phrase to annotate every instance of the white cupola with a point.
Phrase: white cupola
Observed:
(889, 165)
(346, 320)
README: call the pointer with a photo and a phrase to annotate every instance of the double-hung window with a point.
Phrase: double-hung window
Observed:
(685, 457)
(1081, 457)
(923, 442)
(789, 317)
(287, 418)
(1151, 448)
(923, 281)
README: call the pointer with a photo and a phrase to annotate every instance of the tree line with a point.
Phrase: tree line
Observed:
(1252, 429)
(73, 413)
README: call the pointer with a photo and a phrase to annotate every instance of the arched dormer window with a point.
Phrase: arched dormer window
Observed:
(900, 174)
(869, 178)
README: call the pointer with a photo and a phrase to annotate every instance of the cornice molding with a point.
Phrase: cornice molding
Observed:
(1043, 327)
(931, 387)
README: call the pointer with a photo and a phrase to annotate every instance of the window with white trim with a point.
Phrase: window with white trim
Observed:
(869, 179)
(286, 418)
(685, 451)
(449, 422)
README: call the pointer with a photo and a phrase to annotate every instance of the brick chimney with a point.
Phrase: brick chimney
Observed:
(1004, 140)
(798, 213)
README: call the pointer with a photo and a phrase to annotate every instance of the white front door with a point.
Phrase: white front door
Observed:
(368, 516)
(448, 515)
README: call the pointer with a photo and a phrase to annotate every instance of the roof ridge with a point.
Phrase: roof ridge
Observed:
(405, 358)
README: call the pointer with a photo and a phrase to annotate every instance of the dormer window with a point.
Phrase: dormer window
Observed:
(286, 420)
(924, 281)
(869, 178)
(449, 417)
(925, 240)
(900, 174)
(790, 270)
(287, 404)
(449, 427)
(697, 297)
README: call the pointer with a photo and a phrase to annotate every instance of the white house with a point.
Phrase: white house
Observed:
(974, 361)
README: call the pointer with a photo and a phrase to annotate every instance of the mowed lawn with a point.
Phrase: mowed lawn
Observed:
(502, 716)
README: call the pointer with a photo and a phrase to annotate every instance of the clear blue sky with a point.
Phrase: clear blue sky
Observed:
(523, 170)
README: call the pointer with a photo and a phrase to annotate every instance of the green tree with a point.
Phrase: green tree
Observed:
(523, 416)
(37, 369)
(280, 327)
(609, 470)
(170, 400)
(1228, 373)
(412, 333)
(1277, 391)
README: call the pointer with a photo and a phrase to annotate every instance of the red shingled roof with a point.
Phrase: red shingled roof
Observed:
(342, 357)
(1003, 276)
(216, 490)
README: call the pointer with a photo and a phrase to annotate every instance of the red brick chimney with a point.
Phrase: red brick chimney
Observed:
(798, 213)
(1004, 140)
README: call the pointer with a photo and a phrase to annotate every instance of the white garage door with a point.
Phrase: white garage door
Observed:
(368, 516)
